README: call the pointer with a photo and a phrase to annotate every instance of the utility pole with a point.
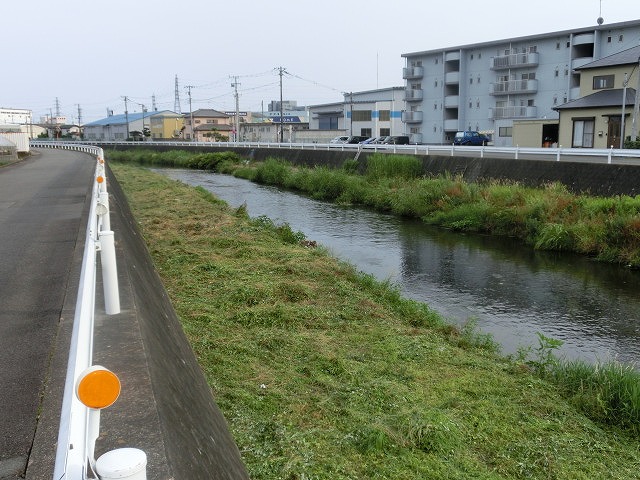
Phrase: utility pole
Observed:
(350, 113)
(624, 108)
(176, 103)
(80, 121)
(281, 70)
(236, 126)
(636, 107)
(126, 114)
(193, 130)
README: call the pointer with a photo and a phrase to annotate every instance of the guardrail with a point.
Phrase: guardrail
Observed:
(601, 155)
(88, 387)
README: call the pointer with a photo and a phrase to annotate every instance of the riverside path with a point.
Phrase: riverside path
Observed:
(42, 212)
(165, 408)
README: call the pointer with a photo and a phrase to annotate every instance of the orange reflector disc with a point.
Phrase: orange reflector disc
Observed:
(99, 179)
(98, 387)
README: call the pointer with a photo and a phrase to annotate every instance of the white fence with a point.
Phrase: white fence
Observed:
(591, 155)
(80, 415)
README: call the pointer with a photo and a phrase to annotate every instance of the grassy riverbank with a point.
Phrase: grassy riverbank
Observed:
(325, 373)
(549, 218)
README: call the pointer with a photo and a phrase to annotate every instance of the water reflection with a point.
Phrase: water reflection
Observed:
(510, 290)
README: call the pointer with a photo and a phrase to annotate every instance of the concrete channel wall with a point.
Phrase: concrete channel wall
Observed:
(166, 407)
(598, 179)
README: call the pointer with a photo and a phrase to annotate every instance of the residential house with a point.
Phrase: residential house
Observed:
(595, 120)
(208, 125)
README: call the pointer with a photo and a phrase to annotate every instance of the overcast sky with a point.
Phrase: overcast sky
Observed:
(92, 53)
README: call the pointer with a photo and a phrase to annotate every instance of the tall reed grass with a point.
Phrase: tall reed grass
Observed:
(608, 393)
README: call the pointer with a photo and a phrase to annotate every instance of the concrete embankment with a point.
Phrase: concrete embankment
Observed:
(166, 407)
(593, 178)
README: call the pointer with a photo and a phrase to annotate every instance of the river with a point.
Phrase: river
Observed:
(508, 289)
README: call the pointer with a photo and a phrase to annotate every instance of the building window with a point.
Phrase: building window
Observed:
(529, 76)
(435, 84)
(479, 55)
(436, 60)
(471, 57)
(555, 100)
(384, 115)
(435, 106)
(620, 38)
(608, 39)
(385, 132)
(556, 73)
(603, 81)
(583, 133)
(558, 46)
(365, 132)
(505, 131)
(361, 115)
(471, 81)
(478, 80)
(533, 49)
(470, 104)
(477, 103)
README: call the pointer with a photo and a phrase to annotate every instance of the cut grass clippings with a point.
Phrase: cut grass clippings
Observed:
(325, 373)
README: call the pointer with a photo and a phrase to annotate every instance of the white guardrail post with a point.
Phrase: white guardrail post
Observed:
(90, 388)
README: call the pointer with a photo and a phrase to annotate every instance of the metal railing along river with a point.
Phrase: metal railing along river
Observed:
(599, 155)
(88, 387)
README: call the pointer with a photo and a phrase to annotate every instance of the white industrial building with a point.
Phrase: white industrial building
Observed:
(487, 86)
(371, 113)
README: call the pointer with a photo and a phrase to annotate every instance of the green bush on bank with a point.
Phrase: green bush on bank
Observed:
(549, 218)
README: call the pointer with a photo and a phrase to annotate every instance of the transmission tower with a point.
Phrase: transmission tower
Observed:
(176, 104)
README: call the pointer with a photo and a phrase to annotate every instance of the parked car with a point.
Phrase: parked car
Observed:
(342, 139)
(396, 140)
(356, 139)
(470, 138)
(372, 140)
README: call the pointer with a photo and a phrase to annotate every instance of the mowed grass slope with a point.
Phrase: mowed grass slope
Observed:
(325, 373)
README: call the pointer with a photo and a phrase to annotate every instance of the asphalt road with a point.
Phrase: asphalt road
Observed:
(42, 202)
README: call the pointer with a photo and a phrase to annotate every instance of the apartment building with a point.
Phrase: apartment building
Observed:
(489, 86)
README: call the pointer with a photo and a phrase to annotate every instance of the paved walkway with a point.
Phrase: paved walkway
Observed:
(42, 216)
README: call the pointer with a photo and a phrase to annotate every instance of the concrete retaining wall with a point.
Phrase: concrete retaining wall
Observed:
(593, 178)
(166, 407)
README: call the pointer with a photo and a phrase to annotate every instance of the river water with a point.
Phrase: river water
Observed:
(508, 289)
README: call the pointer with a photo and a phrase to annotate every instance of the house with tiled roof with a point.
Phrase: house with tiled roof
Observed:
(595, 119)
(208, 125)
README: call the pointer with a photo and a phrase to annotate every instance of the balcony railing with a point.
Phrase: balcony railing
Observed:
(512, 111)
(409, 73)
(452, 78)
(512, 87)
(515, 60)
(452, 101)
(412, 95)
(412, 117)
